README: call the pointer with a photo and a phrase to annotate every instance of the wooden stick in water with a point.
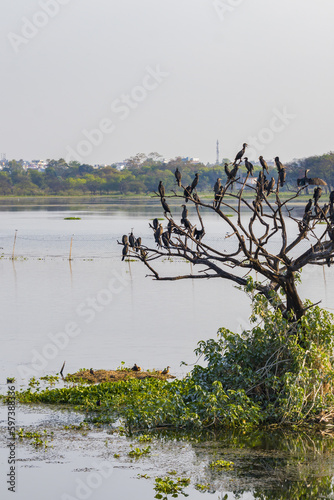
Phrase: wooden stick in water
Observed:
(14, 244)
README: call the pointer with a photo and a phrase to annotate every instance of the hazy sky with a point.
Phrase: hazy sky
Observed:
(167, 76)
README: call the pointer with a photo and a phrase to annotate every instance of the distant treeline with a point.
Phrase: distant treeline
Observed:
(140, 177)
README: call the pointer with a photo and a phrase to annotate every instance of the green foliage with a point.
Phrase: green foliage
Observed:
(284, 367)
(165, 486)
(139, 452)
(36, 439)
(145, 438)
(221, 464)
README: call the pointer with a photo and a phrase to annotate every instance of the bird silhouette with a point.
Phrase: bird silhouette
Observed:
(317, 194)
(194, 182)
(187, 193)
(161, 189)
(125, 251)
(240, 153)
(264, 164)
(136, 368)
(178, 176)
(308, 206)
(165, 206)
(249, 166)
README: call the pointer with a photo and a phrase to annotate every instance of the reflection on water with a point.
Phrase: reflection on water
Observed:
(153, 324)
(268, 464)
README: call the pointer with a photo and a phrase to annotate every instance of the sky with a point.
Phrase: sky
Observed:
(100, 81)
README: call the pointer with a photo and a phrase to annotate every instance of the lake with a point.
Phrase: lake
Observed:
(97, 311)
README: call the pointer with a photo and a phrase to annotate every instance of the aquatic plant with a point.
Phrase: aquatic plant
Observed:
(138, 452)
(221, 464)
(165, 486)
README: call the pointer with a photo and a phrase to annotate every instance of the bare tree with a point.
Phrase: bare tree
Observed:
(259, 221)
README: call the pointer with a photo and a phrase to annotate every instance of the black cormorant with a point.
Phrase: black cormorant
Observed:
(178, 176)
(264, 164)
(240, 154)
(165, 206)
(125, 250)
(161, 189)
(308, 206)
(249, 166)
(316, 195)
(194, 182)
(132, 240)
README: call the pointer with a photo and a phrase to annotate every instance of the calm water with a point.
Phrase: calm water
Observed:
(114, 313)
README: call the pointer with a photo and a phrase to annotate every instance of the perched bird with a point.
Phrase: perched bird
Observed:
(124, 239)
(331, 198)
(199, 233)
(240, 153)
(196, 198)
(271, 185)
(217, 185)
(317, 211)
(157, 234)
(281, 171)
(184, 212)
(260, 185)
(161, 189)
(186, 224)
(187, 193)
(165, 371)
(178, 176)
(313, 181)
(257, 205)
(165, 206)
(136, 368)
(91, 371)
(138, 243)
(231, 173)
(98, 402)
(249, 166)
(125, 251)
(324, 211)
(155, 223)
(218, 196)
(308, 206)
(194, 182)
(317, 194)
(165, 239)
(132, 240)
(264, 164)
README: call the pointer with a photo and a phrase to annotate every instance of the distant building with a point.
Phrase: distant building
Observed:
(119, 165)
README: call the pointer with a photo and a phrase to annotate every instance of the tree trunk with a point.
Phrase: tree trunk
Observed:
(293, 301)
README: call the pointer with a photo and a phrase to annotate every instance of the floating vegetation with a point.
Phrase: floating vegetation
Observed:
(139, 452)
(36, 439)
(221, 464)
(122, 373)
(72, 218)
(145, 438)
(165, 486)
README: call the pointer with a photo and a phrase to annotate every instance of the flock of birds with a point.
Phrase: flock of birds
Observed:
(263, 188)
